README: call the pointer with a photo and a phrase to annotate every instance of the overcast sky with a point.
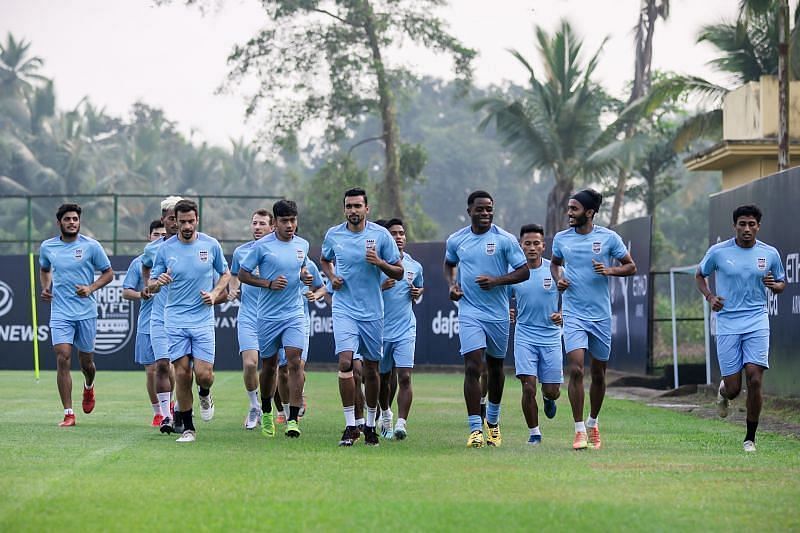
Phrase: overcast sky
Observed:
(173, 57)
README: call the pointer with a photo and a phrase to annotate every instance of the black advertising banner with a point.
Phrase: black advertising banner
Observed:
(630, 303)
(777, 196)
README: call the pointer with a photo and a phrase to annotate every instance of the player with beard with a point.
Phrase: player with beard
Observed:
(480, 260)
(247, 318)
(354, 254)
(744, 267)
(68, 264)
(132, 289)
(587, 252)
(188, 263)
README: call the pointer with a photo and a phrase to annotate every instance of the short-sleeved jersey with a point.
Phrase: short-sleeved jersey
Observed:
(537, 299)
(492, 253)
(399, 321)
(192, 267)
(133, 280)
(248, 295)
(740, 272)
(159, 299)
(273, 258)
(360, 295)
(588, 294)
(316, 283)
(72, 263)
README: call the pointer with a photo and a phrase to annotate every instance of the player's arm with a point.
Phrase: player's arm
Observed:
(234, 286)
(327, 268)
(46, 281)
(451, 276)
(626, 267)
(249, 279)
(104, 279)
(217, 294)
(772, 284)
(517, 275)
(701, 281)
(132, 294)
(392, 270)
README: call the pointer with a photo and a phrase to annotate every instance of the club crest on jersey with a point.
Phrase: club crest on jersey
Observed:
(410, 276)
(370, 244)
(597, 247)
(203, 256)
(547, 283)
(490, 248)
(78, 254)
(300, 255)
(762, 263)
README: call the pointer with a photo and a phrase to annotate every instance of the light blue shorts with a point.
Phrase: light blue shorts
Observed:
(79, 333)
(591, 335)
(398, 354)
(196, 342)
(735, 351)
(357, 357)
(476, 335)
(159, 340)
(246, 333)
(362, 336)
(276, 334)
(143, 353)
(542, 362)
(303, 355)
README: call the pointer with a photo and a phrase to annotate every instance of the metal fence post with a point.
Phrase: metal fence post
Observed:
(116, 222)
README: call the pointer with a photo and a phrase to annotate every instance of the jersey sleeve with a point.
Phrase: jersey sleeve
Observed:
(44, 258)
(133, 277)
(709, 263)
(99, 258)
(514, 254)
(220, 263)
(149, 256)
(237, 253)
(776, 266)
(389, 250)
(159, 263)
(316, 281)
(618, 249)
(327, 247)
(450, 251)
(251, 259)
(419, 280)
(556, 248)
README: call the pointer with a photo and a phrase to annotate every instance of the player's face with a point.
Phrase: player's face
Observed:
(576, 214)
(532, 245)
(481, 213)
(187, 225)
(158, 233)
(260, 226)
(399, 235)
(70, 224)
(355, 209)
(170, 223)
(285, 227)
(746, 229)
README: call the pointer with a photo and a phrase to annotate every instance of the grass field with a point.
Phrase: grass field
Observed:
(658, 470)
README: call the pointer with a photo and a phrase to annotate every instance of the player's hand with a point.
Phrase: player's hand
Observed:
(306, 277)
(153, 287)
(311, 296)
(600, 268)
(717, 302)
(562, 285)
(208, 297)
(47, 295)
(145, 293)
(372, 257)
(165, 278)
(279, 283)
(84, 291)
(388, 284)
(455, 292)
(769, 280)
(415, 292)
(557, 319)
(337, 283)
(233, 293)
(512, 315)
(486, 282)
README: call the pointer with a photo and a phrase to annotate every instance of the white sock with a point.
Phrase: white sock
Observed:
(69, 412)
(163, 403)
(350, 415)
(580, 427)
(286, 410)
(177, 407)
(591, 422)
(371, 415)
(88, 387)
(535, 431)
(360, 421)
(387, 415)
(483, 400)
(253, 395)
(401, 423)
(156, 408)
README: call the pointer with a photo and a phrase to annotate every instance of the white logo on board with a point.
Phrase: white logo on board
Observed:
(6, 298)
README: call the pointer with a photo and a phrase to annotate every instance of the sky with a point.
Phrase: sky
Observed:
(118, 52)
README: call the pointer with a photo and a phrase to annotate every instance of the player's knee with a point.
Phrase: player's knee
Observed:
(598, 374)
(472, 369)
(162, 367)
(754, 382)
(575, 371)
(551, 392)
(404, 380)
(529, 389)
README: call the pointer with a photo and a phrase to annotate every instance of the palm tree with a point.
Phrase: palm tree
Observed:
(18, 72)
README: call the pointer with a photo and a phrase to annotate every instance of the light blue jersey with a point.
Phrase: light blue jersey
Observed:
(192, 267)
(273, 258)
(160, 298)
(399, 321)
(133, 280)
(316, 283)
(493, 253)
(360, 296)
(248, 295)
(72, 263)
(537, 299)
(740, 272)
(588, 294)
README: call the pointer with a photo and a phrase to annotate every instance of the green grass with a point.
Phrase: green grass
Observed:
(658, 470)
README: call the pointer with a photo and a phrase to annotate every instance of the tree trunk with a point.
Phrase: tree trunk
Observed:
(557, 200)
(783, 85)
(390, 194)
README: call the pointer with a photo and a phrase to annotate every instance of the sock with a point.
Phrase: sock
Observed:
(359, 421)
(483, 407)
(286, 409)
(751, 431)
(475, 422)
(203, 392)
(175, 405)
(350, 415)
(294, 412)
(493, 413)
(253, 395)
(591, 422)
(69, 412)
(188, 423)
(387, 415)
(88, 387)
(371, 412)
(156, 408)
(401, 423)
(178, 418)
(580, 427)
(535, 431)
(163, 403)
(266, 404)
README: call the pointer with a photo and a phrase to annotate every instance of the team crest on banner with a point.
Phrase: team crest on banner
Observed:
(547, 283)
(114, 317)
(370, 244)
(203, 256)
(762, 263)
(78, 254)
(300, 255)
(490, 248)
(597, 247)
